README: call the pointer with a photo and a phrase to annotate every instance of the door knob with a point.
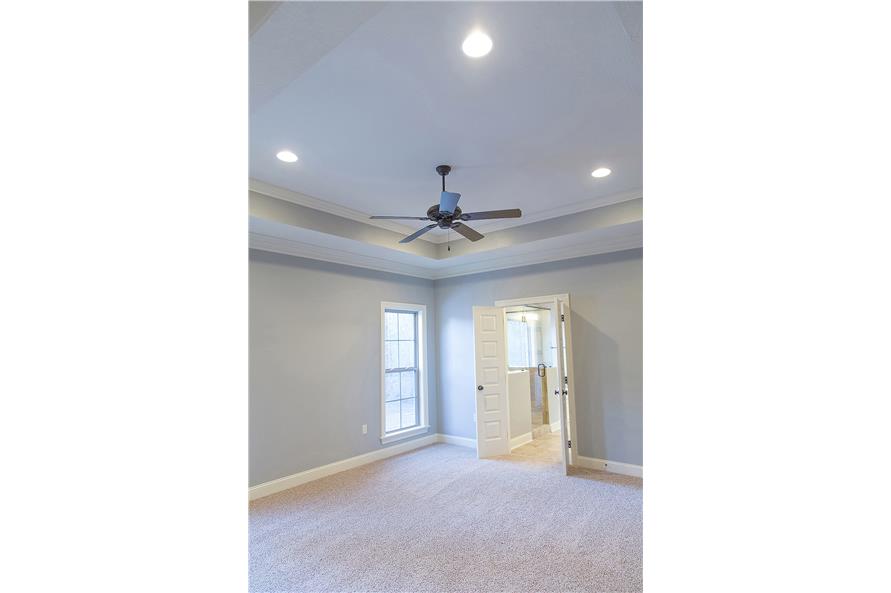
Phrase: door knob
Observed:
(479, 387)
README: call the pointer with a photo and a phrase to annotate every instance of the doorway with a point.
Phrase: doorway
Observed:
(525, 403)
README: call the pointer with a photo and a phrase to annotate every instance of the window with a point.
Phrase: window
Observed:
(517, 344)
(403, 383)
(528, 341)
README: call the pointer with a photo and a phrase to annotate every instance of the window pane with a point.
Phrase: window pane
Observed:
(408, 383)
(391, 386)
(408, 413)
(392, 416)
(391, 355)
(406, 354)
(406, 326)
(517, 344)
(391, 328)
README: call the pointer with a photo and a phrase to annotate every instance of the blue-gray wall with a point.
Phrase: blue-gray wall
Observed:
(315, 360)
(315, 353)
(605, 292)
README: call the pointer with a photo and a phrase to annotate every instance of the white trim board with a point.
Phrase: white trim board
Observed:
(273, 486)
(336, 256)
(519, 441)
(490, 264)
(280, 484)
(273, 191)
(614, 467)
(287, 482)
(455, 440)
(489, 226)
(299, 249)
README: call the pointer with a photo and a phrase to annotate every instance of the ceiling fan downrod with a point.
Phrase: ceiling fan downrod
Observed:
(447, 215)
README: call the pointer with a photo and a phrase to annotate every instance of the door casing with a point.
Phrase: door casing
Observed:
(548, 300)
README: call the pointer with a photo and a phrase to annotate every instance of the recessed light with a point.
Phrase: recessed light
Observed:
(287, 156)
(601, 172)
(477, 44)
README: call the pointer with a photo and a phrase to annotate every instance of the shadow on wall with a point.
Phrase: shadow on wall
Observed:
(598, 386)
(456, 338)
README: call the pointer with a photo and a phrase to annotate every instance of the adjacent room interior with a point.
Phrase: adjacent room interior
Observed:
(445, 231)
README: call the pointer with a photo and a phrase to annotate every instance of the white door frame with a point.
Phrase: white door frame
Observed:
(549, 299)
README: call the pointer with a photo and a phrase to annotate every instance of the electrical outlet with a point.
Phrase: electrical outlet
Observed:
(364, 429)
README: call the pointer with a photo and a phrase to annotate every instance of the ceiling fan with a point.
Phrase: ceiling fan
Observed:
(447, 214)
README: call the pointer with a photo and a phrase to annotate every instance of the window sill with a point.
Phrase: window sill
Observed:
(404, 434)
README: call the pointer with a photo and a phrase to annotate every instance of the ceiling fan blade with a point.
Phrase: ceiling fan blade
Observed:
(468, 232)
(418, 233)
(447, 201)
(513, 213)
(400, 217)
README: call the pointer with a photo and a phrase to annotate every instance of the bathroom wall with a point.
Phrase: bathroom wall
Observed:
(520, 404)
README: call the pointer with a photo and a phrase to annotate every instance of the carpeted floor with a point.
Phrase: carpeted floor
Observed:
(439, 519)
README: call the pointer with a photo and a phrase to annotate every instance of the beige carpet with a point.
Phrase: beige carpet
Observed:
(439, 519)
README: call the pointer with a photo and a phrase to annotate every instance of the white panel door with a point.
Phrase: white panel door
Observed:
(491, 382)
(560, 387)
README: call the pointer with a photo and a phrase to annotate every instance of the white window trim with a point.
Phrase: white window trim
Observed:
(423, 416)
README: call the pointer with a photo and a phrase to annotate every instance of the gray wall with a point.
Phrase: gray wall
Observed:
(315, 360)
(315, 354)
(605, 293)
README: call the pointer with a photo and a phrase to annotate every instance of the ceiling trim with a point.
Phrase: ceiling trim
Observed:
(281, 193)
(488, 226)
(329, 254)
(299, 249)
(574, 208)
(632, 241)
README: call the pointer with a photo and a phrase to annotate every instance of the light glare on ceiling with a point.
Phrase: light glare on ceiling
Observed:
(477, 44)
(287, 156)
(601, 172)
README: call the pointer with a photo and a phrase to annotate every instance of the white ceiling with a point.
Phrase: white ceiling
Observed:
(372, 97)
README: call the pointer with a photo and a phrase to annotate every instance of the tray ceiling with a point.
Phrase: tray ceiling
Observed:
(373, 96)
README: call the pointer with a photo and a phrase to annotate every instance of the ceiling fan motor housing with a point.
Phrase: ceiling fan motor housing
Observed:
(441, 217)
(444, 219)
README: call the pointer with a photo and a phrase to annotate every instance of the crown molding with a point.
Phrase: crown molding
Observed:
(574, 208)
(337, 256)
(489, 226)
(263, 242)
(596, 247)
(287, 195)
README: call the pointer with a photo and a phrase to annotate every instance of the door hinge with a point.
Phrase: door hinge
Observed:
(562, 317)
(569, 444)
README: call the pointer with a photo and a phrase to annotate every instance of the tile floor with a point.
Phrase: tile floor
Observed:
(543, 448)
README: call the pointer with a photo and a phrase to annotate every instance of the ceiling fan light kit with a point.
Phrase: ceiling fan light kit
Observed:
(448, 215)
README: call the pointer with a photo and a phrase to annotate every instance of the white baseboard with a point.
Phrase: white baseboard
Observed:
(273, 486)
(555, 426)
(519, 441)
(453, 440)
(615, 467)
